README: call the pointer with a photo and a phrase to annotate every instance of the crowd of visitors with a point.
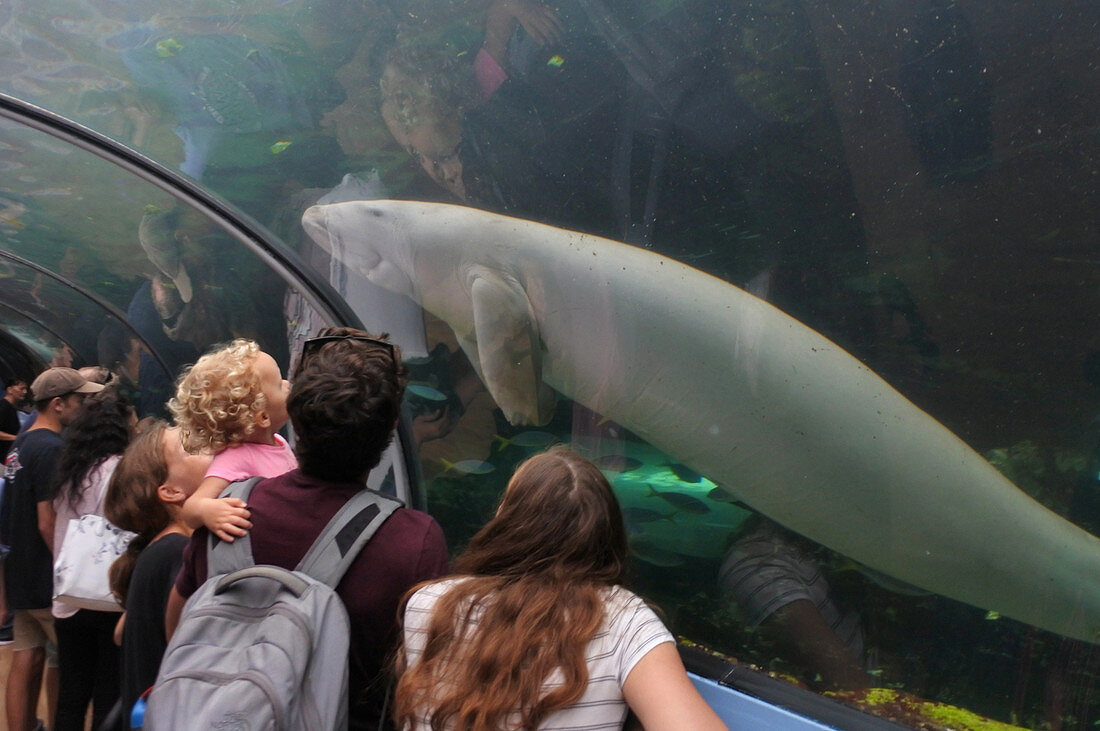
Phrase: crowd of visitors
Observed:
(531, 628)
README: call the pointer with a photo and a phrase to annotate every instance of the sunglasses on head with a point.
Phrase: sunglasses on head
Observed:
(312, 345)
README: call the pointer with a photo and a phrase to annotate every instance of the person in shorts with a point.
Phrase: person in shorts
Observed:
(27, 524)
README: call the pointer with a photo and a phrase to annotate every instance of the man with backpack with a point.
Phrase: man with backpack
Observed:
(344, 405)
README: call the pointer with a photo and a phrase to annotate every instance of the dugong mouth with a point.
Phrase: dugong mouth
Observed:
(369, 245)
(315, 223)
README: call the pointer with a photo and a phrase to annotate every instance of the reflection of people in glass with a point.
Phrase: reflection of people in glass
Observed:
(442, 386)
(432, 134)
(527, 132)
(206, 289)
(540, 589)
(229, 94)
(120, 353)
(779, 587)
(426, 92)
(62, 357)
(453, 416)
(705, 135)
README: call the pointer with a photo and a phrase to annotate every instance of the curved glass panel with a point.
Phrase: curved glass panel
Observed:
(131, 272)
(26, 345)
(122, 274)
(64, 341)
(836, 348)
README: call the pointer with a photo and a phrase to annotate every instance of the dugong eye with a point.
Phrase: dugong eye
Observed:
(376, 213)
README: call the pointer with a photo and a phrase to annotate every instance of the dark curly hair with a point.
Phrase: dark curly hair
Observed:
(344, 404)
(101, 429)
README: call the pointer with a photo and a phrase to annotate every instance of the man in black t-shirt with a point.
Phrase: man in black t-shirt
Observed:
(9, 430)
(28, 526)
(9, 414)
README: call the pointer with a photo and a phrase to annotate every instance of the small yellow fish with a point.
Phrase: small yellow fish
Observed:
(168, 47)
(280, 146)
(556, 61)
(468, 467)
(992, 615)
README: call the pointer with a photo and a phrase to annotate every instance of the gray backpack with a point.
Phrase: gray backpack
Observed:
(261, 647)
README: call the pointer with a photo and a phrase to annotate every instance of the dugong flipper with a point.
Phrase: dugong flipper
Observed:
(736, 390)
(505, 347)
(500, 334)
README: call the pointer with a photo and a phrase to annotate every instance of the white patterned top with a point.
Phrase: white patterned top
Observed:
(630, 630)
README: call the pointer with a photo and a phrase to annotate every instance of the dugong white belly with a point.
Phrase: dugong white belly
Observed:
(734, 388)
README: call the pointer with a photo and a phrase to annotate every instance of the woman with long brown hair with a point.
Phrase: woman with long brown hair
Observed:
(146, 496)
(535, 629)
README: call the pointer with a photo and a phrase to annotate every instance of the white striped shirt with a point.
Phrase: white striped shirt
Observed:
(630, 629)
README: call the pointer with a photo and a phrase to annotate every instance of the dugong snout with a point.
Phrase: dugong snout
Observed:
(371, 236)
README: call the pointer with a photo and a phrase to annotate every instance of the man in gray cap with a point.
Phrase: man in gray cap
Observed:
(27, 527)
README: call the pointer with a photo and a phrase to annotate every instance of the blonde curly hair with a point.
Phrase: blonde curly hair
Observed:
(218, 400)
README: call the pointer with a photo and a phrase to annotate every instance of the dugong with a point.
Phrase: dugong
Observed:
(732, 387)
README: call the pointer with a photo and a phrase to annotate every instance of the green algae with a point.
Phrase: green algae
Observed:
(920, 713)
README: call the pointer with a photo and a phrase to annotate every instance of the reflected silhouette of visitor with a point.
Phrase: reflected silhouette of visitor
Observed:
(780, 588)
(526, 129)
(207, 289)
(63, 357)
(120, 352)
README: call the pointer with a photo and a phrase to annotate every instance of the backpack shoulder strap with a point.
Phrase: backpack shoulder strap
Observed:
(222, 557)
(348, 531)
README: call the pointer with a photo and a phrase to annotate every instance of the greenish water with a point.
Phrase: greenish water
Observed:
(915, 181)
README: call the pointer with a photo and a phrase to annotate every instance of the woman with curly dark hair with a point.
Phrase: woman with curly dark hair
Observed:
(88, 659)
(535, 630)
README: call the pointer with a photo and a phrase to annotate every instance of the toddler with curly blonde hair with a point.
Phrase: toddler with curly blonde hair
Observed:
(230, 404)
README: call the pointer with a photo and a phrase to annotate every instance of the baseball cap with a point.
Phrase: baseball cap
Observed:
(61, 382)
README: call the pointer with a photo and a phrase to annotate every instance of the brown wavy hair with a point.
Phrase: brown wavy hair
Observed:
(218, 399)
(530, 600)
(132, 502)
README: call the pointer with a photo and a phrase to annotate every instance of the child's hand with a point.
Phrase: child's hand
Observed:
(540, 22)
(435, 425)
(227, 518)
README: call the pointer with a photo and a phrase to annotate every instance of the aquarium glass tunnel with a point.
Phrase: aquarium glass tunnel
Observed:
(816, 284)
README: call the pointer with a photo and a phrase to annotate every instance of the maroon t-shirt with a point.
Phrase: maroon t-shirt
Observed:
(288, 513)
